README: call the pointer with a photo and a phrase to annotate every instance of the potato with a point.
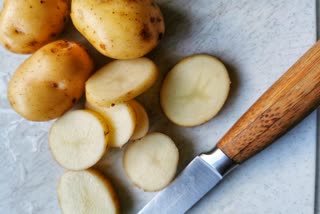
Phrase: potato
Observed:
(142, 120)
(50, 81)
(120, 29)
(86, 192)
(120, 81)
(195, 90)
(121, 119)
(151, 162)
(78, 139)
(27, 25)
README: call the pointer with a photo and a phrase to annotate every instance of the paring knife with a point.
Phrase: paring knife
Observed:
(284, 104)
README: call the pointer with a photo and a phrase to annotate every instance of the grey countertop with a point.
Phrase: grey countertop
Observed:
(258, 41)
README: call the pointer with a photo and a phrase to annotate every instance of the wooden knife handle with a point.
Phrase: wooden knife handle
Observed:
(284, 104)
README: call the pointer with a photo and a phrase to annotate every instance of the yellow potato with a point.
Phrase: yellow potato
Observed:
(120, 29)
(27, 25)
(120, 81)
(50, 81)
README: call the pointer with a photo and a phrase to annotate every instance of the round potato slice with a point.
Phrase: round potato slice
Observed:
(142, 122)
(120, 81)
(121, 120)
(78, 139)
(87, 191)
(151, 162)
(195, 90)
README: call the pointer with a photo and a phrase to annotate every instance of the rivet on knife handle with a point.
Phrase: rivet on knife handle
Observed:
(283, 105)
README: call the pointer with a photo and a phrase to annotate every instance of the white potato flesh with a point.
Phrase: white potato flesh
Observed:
(83, 192)
(142, 122)
(195, 90)
(121, 120)
(151, 162)
(78, 139)
(120, 81)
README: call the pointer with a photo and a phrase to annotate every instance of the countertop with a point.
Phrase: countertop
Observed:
(258, 41)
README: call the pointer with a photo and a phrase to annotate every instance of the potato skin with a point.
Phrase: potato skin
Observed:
(27, 25)
(120, 29)
(50, 81)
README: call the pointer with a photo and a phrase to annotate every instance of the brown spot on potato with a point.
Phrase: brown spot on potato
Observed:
(65, 19)
(18, 31)
(64, 44)
(30, 7)
(74, 100)
(55, 85)
(145, 33)
(106, 133)
(153, 4)
(53, 50)
(152, 19)
(112, 104)
(53, 35)
(42, 1)
(160, 36)
(33, 43)
(103, 46)
(159, 19)
(102, 1)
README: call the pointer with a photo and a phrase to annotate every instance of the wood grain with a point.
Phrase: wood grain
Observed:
(284, 104)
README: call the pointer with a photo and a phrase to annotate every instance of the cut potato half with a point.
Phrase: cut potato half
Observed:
(142, 122)
(83, 192)
(120, 81)
(78, 139)
(121, 119)
(195, 90)
(151, 162)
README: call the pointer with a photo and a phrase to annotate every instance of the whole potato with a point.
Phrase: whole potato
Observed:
(50, 81)
(27, 25)
(120, 29)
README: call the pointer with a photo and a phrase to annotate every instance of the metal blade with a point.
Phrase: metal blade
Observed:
(191, 185)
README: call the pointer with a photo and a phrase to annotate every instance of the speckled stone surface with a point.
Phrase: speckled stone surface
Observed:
(258, 41)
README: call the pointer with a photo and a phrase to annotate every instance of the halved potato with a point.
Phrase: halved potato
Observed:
(121, 119)
(195, 90)
(78, 139)
(83, 192)
(142, 122)
(120, 81)
(151, 162)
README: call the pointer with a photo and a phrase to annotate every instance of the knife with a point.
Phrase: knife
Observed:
(284, 104)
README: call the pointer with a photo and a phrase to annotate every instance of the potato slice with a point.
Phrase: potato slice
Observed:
(195, 90)
(78, 139)
(151, 162)
(121, 119)
(120, 81)
(142, 122)
(87, 191)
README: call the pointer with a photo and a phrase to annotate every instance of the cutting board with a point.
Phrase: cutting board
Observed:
(258, 41)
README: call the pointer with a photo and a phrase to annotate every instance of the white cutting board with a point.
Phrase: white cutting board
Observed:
(258, 41)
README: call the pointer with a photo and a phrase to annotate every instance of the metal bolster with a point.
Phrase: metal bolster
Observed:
(220, 161)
